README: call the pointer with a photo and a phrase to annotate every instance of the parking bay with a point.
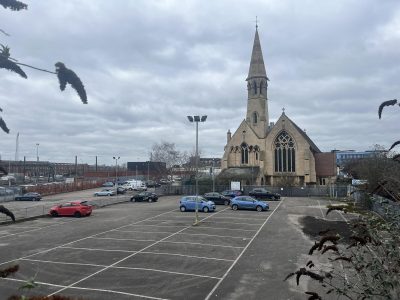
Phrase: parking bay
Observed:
(152, 251)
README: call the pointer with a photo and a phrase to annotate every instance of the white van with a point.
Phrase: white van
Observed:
(135, 185)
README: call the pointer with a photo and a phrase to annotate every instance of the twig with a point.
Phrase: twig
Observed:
(43, 70)
(5, 33)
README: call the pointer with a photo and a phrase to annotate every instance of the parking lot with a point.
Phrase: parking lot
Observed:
(152, 251)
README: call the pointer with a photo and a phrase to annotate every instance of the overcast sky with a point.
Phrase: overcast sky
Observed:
(146, 65)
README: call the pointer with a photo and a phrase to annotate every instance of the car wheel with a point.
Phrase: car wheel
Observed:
(77, 214)
(88, 214)
(226, 202)
(259, 208)
(150, 200)
(182, 208)
(54, 214)
(234, 207)
(205, 209)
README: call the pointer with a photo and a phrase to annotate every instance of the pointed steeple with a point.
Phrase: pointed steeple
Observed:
(257, 67)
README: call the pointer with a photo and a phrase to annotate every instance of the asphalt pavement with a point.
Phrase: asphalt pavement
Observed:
(152, 251)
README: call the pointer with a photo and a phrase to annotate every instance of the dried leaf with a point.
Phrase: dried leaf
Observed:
(65, 76)
(3, 126)
(13, 4)
(7, 212)
(385, 103)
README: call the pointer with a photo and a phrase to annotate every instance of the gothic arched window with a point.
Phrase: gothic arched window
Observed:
(255, 119)
(245, 153)
(285, 153)
(255, 87)
(261, 87)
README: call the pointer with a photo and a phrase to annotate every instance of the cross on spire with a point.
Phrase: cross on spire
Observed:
(283, 109)
(256, 23)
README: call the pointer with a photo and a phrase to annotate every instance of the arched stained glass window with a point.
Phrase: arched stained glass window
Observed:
(285, 153)
(245, 153)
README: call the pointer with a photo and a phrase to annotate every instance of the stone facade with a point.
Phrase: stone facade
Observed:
(263, 153)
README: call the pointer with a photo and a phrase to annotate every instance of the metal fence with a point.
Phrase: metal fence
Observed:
(333, 191)
(43, 209)
(9, 193)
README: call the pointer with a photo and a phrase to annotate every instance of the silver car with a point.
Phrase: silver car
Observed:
(105, 192)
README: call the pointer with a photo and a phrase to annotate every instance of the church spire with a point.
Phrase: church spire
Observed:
(257, 67)
(257, 88)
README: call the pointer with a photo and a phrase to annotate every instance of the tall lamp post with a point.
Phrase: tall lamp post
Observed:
(116, 173)
(197, 119)
(37, 151)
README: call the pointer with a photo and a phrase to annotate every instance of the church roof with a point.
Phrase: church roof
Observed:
(313, 147)
(257, 67)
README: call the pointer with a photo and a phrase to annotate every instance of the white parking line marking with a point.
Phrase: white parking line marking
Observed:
(240, 255)
(224, 228)
(203, 244)
(117, 239)
(159, 225)
(36, 228)
(144, 231)
(236, 223)
(87, 289)
(169, 272)
(254, 224)
(97, 249)
(81, 239)
(216, 235)
(62, 262)
(121, 260)
(122, 267)
(236, 218)
(183, 255)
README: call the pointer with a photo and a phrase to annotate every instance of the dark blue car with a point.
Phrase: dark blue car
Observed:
(247, 202)
(189, 203)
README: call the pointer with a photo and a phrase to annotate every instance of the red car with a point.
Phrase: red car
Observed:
(73, 208)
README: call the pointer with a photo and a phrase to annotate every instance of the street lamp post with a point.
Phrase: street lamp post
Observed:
(37, 151)
(116, 173)
(197, 119)
(212, 173)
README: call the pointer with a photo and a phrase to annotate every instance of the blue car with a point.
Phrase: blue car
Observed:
(247, 202)
(189, 203)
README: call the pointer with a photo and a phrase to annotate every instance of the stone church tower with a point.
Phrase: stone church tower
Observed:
(264, 153)
(257, 86)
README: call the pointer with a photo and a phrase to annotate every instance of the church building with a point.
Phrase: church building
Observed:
(261, 152)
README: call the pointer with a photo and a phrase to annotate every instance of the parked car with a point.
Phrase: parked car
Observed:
(135, 185)
(260, 193)
(29, 197)
(247, 202)
(73, 208)
(121, 190)
(108, 184)
(152, 183)
(232, 193)
(189, 203)
(145, 196)
(218, 198)
(105, 192)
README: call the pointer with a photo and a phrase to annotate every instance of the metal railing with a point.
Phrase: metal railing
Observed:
(42, 210)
